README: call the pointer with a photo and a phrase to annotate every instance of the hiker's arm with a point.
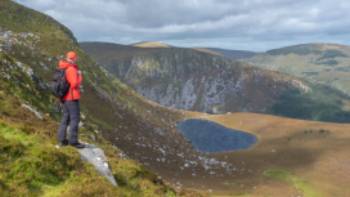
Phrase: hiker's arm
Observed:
(72, 78)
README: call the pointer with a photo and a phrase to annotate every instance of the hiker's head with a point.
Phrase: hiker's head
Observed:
(72, 56)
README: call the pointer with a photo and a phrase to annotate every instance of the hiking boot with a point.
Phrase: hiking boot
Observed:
(62, 143)
(78, 145)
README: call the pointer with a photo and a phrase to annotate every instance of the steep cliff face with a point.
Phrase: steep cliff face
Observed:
(185, 79)
(194, 80)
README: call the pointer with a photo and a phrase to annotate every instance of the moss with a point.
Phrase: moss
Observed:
(10, 150)
(31, 165)
(88, 183)
(14, 136)
(300, 184)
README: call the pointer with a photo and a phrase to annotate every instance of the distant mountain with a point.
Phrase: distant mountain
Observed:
(149, 44)
(189, 79)
(330, 50)
(323, 63)
(231, 54)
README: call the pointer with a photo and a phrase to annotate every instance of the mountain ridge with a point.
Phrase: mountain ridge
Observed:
(185, 78)
(230, 53)
(151, 44)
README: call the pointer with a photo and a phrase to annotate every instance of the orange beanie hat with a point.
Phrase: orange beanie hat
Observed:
(71, 55)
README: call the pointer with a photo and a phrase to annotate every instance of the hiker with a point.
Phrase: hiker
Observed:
(70, 102)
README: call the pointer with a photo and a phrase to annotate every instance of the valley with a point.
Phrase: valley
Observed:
(292, 157)
(213, 126)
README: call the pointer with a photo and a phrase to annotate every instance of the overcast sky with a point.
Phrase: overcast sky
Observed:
(235, 24)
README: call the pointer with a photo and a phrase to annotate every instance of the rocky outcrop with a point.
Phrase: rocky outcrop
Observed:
(96, 157)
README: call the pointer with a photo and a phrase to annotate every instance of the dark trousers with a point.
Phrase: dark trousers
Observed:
(71, 117)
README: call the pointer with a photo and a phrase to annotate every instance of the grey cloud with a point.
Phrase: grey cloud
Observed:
(245, 24)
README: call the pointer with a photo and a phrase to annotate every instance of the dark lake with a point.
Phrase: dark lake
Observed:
(207, 136)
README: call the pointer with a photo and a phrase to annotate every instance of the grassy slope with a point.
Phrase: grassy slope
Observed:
(323, 63)
(31, 165)
(321, 104)
(26, 65)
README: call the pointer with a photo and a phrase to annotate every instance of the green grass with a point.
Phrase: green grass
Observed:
(321, 104)
(28, 163)
(298, 183)
(31, 165)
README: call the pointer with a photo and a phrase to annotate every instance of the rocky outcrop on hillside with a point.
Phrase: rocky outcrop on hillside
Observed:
(95, 156)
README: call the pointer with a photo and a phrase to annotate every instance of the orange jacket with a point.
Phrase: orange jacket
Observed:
(74, 79)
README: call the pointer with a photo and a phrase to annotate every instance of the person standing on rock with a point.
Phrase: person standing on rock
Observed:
(70, 102)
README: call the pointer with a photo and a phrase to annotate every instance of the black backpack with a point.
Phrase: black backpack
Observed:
(59, 85)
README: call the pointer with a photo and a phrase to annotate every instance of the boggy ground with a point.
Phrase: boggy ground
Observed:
(292, 158)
